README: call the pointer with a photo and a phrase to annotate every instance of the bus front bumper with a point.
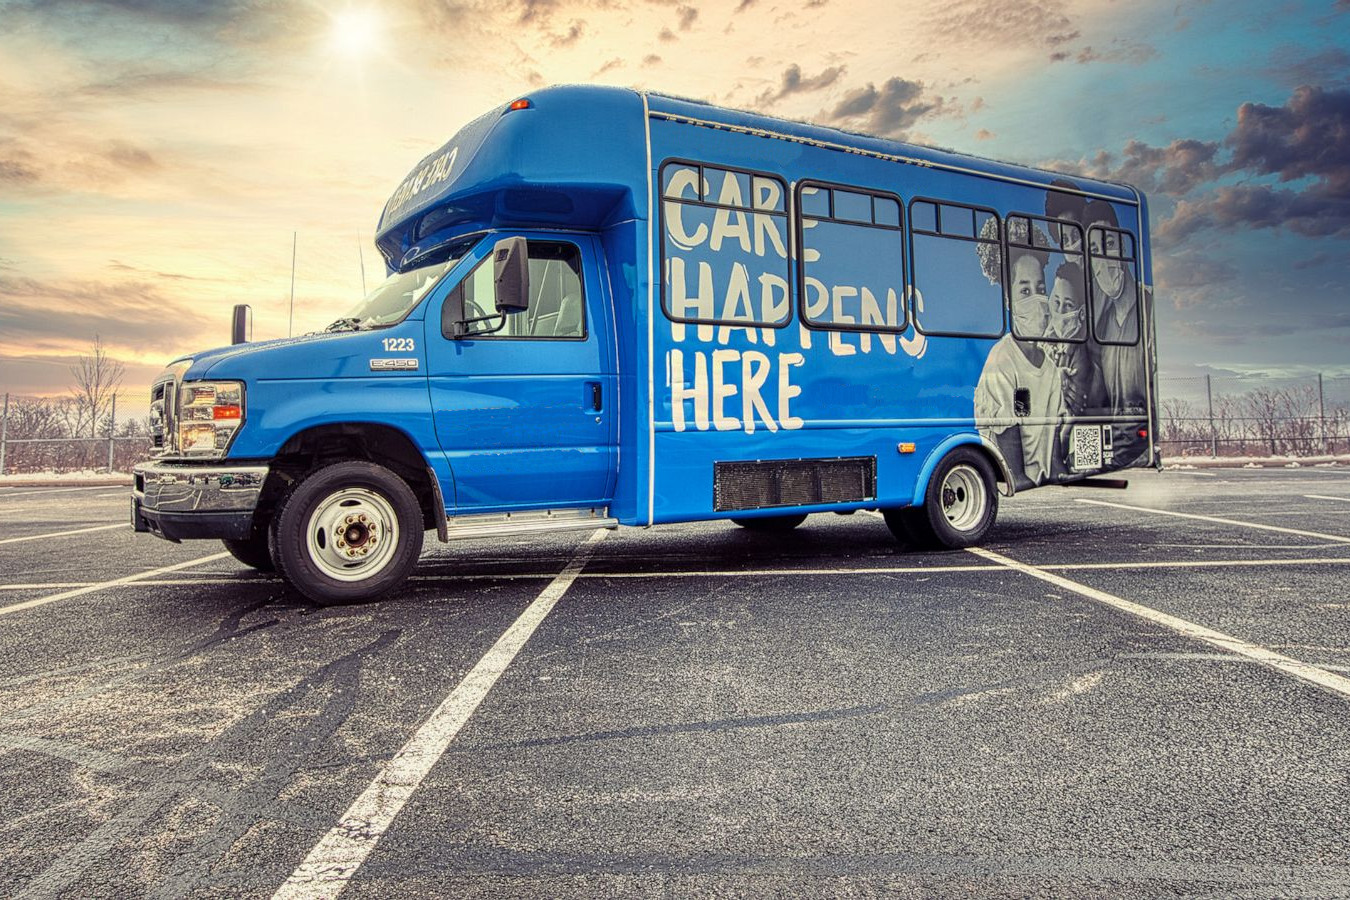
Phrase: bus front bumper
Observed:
(181, 501)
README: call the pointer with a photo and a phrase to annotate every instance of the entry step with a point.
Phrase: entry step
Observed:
(534, 521)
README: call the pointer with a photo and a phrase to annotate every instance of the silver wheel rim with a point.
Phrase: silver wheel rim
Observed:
(963, 498)
(352, 534)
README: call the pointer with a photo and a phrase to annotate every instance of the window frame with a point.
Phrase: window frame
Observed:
(799, 234)
(1009, 244)
(494, 334)
(662, 199)
(1133, 258)
(1002, 262)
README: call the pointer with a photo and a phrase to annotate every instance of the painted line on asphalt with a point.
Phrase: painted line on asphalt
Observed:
(1340, 538)
(101, 585)
(92, 487)
(216, 579)
(339, 853)
(1326, 497)
(1285, 665)
(52, 534)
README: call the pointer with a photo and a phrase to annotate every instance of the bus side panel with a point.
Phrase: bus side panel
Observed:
(894, 392)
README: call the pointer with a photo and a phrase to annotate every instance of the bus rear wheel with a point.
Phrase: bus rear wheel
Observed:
(772, 523)
(348, 532)
(959, 507)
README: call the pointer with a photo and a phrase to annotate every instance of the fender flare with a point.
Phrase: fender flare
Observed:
(964, 439)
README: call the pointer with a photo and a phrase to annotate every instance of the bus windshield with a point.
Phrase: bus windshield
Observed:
(395, 298)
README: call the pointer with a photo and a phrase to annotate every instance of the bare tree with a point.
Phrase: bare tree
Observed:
(97, 377)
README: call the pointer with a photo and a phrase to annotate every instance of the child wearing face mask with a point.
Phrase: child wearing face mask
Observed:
(1068, 322)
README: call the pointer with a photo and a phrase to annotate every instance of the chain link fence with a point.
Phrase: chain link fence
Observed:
(45, 434)
(1207, 416)
(1216, 416)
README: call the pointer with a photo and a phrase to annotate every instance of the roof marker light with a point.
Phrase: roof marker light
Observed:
(522, 103)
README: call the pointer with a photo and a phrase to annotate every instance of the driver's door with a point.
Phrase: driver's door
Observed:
(526, 414)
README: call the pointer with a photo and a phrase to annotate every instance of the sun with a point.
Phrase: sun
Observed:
(356, 32)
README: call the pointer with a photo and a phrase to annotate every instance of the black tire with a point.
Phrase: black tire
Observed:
(959, 507)
(348, 532)
(252, 551)
(772, 524)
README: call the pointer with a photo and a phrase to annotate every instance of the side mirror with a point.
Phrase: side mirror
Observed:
(241, 324)
(511, 275)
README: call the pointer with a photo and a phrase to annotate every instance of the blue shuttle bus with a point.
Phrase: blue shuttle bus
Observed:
(608, 307)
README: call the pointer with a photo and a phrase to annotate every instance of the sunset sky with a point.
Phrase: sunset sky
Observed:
(157, 155)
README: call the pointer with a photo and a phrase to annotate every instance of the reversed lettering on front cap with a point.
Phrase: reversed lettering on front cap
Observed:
(402, 364)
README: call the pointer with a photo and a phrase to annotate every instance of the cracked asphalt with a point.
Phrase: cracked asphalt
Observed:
(705, 712)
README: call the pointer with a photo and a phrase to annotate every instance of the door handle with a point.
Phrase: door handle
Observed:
(596, 398)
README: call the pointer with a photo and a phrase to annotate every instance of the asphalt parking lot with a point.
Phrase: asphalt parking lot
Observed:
(1124, 693)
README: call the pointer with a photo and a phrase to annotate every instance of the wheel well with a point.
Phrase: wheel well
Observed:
(1002, 476)
(324, 444)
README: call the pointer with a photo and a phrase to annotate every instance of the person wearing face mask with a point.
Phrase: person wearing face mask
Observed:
(1115, 295)
(1068, 322)
(1027, 434)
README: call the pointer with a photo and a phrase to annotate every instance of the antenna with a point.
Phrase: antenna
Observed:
(360, 255)
(290, 317)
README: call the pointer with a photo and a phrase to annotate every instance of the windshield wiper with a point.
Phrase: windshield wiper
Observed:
(351, 323)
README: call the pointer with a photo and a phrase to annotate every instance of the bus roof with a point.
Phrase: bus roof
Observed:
(592, 138)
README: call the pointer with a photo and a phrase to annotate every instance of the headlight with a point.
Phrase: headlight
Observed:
(209, 413)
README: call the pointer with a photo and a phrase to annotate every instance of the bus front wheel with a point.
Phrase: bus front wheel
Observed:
(959, 506)
(347, 532)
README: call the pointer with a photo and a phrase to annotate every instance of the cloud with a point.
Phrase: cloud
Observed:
(1308, 136)
(1175, 170)
(234, 23)
(794, 82)
(570, 37)
(889, 111)
(1292, 66)
(1306, 140)
(970, 24)
(62, 315)
(687, 16)
(1118, 52)
(1314, 212)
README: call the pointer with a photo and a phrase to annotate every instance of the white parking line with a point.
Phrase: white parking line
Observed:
(92, 487)
(246, 578)
(52, 534)
(98, 586)
(340, 852)
(1325, 497)
(1279, 662)
(1181, 515)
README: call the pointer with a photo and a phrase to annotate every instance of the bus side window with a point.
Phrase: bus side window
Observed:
(1047, 279)
(852, 271)
(1115, 285)
(724, 248)
(557, 302)
(957, 269)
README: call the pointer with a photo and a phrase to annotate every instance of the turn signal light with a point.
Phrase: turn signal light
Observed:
(522, 103)
(227, 412)
(1143, 432)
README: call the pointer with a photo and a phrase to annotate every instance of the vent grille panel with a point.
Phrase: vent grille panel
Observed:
(766, 484)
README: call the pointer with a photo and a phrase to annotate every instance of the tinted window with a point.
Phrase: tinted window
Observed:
(557, 303)
(853, 268)
(958, 272)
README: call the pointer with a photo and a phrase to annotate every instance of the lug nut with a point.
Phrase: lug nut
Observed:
(362, 517)
(342, 543)
(351, 519)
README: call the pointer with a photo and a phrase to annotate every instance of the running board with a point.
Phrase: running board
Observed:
(533, 521)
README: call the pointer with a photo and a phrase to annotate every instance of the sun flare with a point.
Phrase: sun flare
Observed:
(356, 32)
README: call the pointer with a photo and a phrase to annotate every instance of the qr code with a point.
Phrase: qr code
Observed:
(1087, 447)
